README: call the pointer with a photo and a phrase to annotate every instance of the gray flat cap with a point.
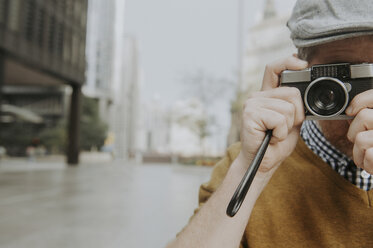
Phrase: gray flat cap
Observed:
(315, 22)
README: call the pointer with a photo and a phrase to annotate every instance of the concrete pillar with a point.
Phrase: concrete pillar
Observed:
(74, 126)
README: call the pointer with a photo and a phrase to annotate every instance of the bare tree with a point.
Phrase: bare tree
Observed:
(208, 89)
(205, 87)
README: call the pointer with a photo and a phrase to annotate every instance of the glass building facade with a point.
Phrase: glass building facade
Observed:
(42, 44)
(46, 34)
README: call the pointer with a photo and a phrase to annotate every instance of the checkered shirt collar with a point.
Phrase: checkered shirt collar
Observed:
(338, 161)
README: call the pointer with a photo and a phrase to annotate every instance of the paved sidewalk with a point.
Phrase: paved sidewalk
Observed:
(115, 204)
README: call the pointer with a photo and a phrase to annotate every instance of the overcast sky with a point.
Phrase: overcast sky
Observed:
(176, 38)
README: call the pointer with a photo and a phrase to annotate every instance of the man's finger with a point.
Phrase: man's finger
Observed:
(273, 71)
(289, 94)
(359, 102)
(363, 141)
(283, 107)
(362, 122)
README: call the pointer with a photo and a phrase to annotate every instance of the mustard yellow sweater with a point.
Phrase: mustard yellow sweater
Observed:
(305, 204)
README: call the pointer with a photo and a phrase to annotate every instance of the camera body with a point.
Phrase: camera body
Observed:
(328, 89)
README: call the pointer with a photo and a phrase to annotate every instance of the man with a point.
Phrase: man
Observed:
(320, 195)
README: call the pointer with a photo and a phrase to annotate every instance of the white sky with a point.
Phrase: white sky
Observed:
(178, 37)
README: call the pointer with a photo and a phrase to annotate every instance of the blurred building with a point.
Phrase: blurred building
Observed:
(266, 42)
(127, 101)
(155, 128)
(42, 50)
(113, 75)
(100, 54)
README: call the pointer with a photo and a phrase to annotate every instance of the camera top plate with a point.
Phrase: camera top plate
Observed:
(341, 71)
(361, 71)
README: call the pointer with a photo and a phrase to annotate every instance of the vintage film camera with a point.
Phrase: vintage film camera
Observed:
(328, 89)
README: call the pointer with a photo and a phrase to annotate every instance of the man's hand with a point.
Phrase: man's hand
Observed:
(279, 109)
(361, 130)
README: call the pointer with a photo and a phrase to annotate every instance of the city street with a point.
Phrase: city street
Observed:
(102, 204)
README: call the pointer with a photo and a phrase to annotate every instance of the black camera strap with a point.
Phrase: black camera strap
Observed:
(241, 191)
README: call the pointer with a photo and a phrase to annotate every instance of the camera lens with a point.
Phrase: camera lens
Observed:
(326, 97)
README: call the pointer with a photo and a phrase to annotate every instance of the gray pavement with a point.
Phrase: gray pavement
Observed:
(46, 204)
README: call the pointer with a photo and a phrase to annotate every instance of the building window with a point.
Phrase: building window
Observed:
(83, 19)
(82, 54)
(2, 11)
(40, 27)
(75, 49)
(69, 8)
(67, 46)
(77, 10)
(13, 15)
(51, 33)
(60, 31)
(30, 19)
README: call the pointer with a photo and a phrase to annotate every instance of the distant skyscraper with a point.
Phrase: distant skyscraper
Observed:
(112, 73)
(100, 54)
(127, 102)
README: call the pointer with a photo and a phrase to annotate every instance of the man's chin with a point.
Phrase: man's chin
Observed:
(336, 133)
